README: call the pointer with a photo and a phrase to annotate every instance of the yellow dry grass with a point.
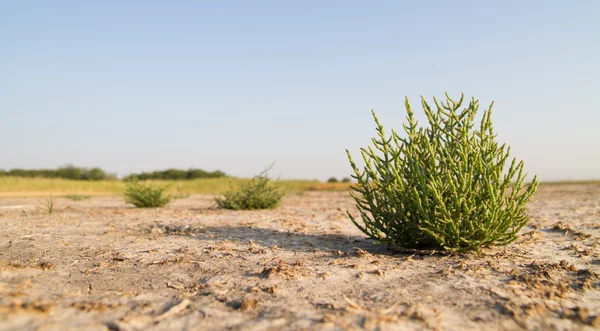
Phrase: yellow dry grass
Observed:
(21, 187)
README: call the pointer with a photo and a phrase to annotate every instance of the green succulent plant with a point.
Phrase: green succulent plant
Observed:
(444, 186)
(145, 195)
(258, 193)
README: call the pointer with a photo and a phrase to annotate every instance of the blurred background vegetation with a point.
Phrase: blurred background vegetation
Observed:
(72, 180)
(65, 172)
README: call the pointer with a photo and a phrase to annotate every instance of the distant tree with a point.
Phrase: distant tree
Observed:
(69, 172)
(177, 174)
(17, 173)
(196, 173)
(332, 180)
(65, 172)
(46, 173)
(346, 180)
(217, 174)
(174, 174)
(94, 174)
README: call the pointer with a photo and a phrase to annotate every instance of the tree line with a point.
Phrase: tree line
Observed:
(177, 174)
(66, 172)
(80, 173)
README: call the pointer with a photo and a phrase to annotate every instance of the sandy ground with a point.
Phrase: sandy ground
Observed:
(102, 265)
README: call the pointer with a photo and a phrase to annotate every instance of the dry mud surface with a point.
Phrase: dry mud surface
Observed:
(102, 265)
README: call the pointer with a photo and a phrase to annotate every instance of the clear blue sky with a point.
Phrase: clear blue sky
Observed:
(235, 85)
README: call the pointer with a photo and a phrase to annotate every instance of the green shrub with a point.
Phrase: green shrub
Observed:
(332, 180)
(346, 180)
(145, 195)
(441, 187)
(258, 193)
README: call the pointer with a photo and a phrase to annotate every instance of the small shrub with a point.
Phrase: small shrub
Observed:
(441, 187)
(258, 193)
(346, 180)
(332, 180)
(47, 204)
(146, 195)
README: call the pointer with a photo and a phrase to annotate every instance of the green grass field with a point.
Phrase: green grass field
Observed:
(15, 186)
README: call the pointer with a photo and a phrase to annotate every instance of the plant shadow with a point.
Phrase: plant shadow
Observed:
(287, 240)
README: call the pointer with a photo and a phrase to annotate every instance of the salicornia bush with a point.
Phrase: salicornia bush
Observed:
(146, 195)
(258, 193)
(444, 186)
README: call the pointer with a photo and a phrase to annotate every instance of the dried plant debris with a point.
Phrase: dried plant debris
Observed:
(21, 306)
(356, 252)
(247, 303)
(568, 230)
(532, 237)
(175, 230)
(286, 270)
(550, 280)
(12, 265)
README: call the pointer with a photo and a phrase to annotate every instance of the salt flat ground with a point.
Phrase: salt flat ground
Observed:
(100, 264)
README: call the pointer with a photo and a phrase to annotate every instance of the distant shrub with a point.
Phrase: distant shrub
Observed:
(442, 186)
(346, 180)
(3, 173)
(145, 195)
(47, 204)
(332, 180)
(177, 174)
(258, 193)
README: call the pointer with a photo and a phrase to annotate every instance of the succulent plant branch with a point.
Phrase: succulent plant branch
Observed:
(443, 186)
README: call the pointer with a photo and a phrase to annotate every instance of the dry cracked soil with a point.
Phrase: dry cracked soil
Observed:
(100, 264)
